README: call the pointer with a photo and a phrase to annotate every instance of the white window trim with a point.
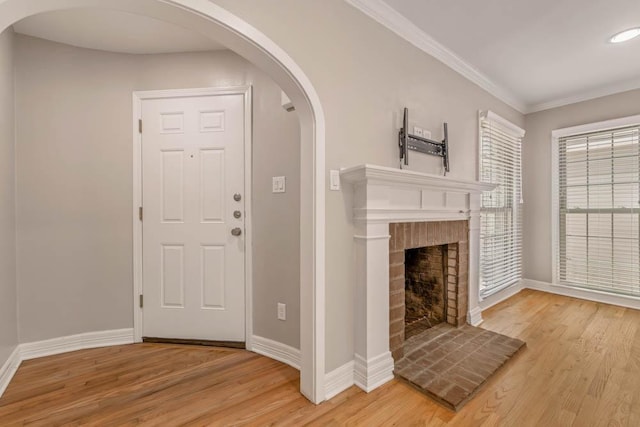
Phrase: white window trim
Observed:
(555, 194)
(490, 115)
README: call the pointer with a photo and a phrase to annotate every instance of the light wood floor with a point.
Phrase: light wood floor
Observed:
(581, 367)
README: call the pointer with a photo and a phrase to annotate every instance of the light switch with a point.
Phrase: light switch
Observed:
(279, 184)
(334, 180)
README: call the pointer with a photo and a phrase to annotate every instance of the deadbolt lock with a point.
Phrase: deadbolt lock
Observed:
(236, 231)
(237, 214)
(237, 197)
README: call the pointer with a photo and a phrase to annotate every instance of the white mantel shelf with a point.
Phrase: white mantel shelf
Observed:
(386, 195)
(373, 174)
(381, 196)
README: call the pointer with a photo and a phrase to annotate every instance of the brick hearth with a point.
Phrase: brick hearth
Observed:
(451, 364)
(453, 235)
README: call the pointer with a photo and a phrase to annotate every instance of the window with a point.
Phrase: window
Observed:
(501, 209)
(598, 210)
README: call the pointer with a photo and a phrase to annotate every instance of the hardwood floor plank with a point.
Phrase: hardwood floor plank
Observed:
(581, 367)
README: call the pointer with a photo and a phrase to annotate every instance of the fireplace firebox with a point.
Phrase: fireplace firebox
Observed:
(428, 278)
(424, 288)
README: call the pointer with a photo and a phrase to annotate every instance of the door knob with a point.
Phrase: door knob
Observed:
(237, 214)
(237, 197)
(236, 231)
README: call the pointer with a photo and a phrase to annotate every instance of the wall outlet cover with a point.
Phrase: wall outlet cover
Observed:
(282, 311)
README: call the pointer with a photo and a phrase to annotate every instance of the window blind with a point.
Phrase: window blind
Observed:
(501, 209)
(599, 211)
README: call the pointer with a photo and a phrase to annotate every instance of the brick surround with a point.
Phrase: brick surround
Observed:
(455, 236)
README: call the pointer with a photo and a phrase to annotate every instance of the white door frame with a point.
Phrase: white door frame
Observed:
(138, 98)
(215, 22)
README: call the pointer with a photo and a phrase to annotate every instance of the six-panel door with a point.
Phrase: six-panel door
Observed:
(193, 266)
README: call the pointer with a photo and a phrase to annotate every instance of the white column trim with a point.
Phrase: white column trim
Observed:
(339, 379)
(371, 374)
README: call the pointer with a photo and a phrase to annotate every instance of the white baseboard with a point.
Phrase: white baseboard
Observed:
(589, 295)
(371, 374)
(9, 368)
(59, 345)
(338, 380)
(474, 316)
(504, 294)
(275, 350)
(84, 341)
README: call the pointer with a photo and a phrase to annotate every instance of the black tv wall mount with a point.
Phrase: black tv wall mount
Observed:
(422, 145)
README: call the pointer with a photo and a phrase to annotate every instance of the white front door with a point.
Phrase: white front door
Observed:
(193, 199)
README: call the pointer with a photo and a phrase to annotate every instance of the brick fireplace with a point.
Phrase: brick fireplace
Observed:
(395, 210)
(425, 293)
(445, 247)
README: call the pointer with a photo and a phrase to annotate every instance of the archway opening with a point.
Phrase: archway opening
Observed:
(217, 24)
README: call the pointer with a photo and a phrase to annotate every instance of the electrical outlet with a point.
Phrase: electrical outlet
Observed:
(417, 131)
(279, 184)
(282, 311)
(426, 134)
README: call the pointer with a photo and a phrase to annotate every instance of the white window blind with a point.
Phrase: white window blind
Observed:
(501, 209)
(599, 210)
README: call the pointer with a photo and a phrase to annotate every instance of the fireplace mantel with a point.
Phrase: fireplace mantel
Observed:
(382, 175)
(382, 196)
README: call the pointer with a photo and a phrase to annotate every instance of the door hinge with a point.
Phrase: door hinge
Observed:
(140, 213)
(141, 301)
(139, 125)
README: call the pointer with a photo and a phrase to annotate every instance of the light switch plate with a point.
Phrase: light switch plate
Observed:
(279, 184)
(334, 180)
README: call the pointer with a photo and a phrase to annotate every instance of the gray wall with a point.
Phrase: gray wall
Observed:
(74, 161)
(355, 65)
(358, 69)
(536, 165)
(8, 308)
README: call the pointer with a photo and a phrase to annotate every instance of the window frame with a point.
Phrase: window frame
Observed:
(556, 135)
(518, 206)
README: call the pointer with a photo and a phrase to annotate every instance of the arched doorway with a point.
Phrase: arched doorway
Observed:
(218, 24)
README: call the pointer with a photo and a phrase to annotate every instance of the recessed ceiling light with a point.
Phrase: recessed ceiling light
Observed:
(625, 35)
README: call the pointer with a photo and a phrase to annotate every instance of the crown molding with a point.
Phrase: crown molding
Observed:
(586, 96)
(384, 14)
(393, 20)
